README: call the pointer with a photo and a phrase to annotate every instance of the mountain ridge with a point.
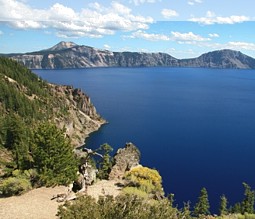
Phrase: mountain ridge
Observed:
(70, 55)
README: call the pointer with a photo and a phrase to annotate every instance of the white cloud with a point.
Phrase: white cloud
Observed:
(179, 53)
(139, 2)
(149, 36)
(213, 35)
(107, 47)
(234, 45)
(210, 14)
(211, 18)
(181, 38)
(241, 45)
(61, 12)
(95, 21)
(1, 32)
(193, 2)
(168, 13)
(188, 38)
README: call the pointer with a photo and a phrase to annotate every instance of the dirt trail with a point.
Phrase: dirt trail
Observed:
(37, 204)
(104, 187)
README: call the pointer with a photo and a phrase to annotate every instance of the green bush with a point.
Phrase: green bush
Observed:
(249, 216)
(123, 206)
(15, 186)
(135, 191)
(83, 208)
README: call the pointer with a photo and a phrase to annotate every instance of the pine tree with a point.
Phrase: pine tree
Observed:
(248, 202)
(202, 207)
(17, 140)
(53, 156)
(237, 208)
(223, 205)
(105, 164)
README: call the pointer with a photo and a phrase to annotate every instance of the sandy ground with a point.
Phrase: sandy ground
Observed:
(104, 187)
(32, 205)
(37, 204)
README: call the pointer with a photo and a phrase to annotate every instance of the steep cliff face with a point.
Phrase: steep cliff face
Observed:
(221, 59)
(135, 59)
(71, 55)
(80, 117)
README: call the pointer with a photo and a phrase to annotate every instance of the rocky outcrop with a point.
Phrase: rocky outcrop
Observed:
(79, 116)
(125, 159)
(70, 55)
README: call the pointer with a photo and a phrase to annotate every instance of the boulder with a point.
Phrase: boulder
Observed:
(125, 159)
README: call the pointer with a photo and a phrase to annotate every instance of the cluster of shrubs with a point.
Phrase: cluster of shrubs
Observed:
(47, 160)
(19, 183)
(137, 200)
(144, 182)
(123, 206)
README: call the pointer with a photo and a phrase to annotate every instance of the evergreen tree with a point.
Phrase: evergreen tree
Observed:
(105, 164)
(185, 212)
(53, 156)
(237, 208)
(202, 206)
(223, 205)
(2, 130)
(17, 140)
(248, 202)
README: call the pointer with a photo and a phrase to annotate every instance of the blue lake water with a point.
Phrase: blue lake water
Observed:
(196, 126)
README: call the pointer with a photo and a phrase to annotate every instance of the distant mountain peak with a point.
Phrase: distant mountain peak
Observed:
(62, 45)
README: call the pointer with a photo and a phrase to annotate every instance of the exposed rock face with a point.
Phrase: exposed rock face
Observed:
(125, 159)
(70, 55)
(221, 59)
(81, 116)
(62, 45)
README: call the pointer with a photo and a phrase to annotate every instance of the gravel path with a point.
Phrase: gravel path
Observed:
(104, 187)
(37, 204)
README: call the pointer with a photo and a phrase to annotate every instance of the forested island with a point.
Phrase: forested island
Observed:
(41, 124)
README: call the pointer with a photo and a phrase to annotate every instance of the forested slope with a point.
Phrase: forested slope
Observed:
(38, 121)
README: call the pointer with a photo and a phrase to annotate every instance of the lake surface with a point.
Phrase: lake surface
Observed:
(196, 126)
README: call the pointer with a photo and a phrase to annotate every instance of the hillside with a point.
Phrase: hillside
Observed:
(27, 101)
(33, 99)
(70, 55)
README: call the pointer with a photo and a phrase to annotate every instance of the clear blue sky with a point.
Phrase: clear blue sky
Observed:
(182, 28)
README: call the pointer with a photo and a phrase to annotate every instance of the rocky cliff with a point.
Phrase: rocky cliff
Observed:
(70, 55)
(221, 59)
(80, 117)
(34, 100)
(124, 160)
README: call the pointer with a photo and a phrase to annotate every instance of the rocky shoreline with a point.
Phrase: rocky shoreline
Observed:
(80, 118)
